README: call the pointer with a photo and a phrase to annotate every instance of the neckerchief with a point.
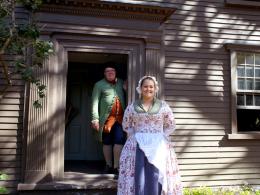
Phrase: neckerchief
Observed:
(153, 110)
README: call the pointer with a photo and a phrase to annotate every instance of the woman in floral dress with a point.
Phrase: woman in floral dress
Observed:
(148, 164)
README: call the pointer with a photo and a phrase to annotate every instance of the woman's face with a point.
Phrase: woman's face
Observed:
(148, 88)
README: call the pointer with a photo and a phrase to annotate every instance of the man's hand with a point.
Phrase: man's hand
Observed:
(95, 125)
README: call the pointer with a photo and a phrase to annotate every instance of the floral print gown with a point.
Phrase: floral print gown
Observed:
(151, 132)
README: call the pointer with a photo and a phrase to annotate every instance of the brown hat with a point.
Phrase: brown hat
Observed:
(110, 65)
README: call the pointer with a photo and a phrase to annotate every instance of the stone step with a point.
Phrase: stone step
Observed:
(74, 183)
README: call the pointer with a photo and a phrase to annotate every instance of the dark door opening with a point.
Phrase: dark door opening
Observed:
(83, 153)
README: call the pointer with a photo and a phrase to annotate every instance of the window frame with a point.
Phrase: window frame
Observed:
(234, 50)
(246, 91)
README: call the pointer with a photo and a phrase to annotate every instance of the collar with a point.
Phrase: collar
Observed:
(153, 110)
(112, 82)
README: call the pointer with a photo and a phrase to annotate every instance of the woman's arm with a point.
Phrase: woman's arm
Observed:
(128, 120)
(168, 120)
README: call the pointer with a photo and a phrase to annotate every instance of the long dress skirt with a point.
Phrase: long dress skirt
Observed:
(146, 175)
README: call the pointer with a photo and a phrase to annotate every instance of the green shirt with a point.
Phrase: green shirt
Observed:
(103, 97)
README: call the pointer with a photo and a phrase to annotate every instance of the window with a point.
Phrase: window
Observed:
(248, 91)
(245, 91)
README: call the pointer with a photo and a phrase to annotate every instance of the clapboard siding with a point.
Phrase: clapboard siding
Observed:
(197, 87)
(11, 118)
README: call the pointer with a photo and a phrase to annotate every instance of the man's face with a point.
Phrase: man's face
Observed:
(110, 74)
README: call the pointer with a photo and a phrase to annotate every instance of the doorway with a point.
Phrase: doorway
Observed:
(83, 153)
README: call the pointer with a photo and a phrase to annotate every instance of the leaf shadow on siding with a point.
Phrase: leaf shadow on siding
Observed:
(197, 86)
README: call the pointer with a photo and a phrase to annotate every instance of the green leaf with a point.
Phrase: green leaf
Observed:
(42, 87)
(37, 104)
(3, 12)
(43, 49)
(3, 190)
(3, 176)
(31, 4)
(28, 31)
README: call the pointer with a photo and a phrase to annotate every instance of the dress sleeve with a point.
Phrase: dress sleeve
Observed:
(168, 120)
(128, 120)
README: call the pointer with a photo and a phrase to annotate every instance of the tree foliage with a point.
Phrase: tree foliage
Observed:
(3, 177)
(21, 40)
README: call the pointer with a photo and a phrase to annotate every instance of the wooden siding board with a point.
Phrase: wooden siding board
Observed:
(10, 126)
(196, 77)
(10, 107)
(8, 158)
(191, 94)
(8, 133)
(254, 183)
(191, 71)
(208, 18)
(9, 120)
(219, 177)
(193, 99)
(224, 35)
(16, 101)
(189, 87)
(10, 145)
(218, 166)
(211, 32)
(199, 116)
(201, 62)
(198, 104)
(212, 172)
(11, 113)
(14, 95)
(226, 161)
(183, 65)
(10, 151)
(202, 83)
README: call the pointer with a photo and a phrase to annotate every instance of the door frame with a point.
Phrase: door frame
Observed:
(89, 147)
(134, 50)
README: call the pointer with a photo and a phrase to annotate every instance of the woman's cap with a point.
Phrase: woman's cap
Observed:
(138, 88)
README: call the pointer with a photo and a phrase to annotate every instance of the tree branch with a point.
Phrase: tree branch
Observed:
(5, 70)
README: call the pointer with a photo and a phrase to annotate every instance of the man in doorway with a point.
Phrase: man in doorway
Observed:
(108, 104)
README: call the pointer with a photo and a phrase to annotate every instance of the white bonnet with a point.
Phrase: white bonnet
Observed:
(138, 88)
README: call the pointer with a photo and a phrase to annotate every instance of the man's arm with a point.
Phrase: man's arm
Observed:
(94, 111)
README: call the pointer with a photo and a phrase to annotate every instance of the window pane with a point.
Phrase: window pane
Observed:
(257, 59)
(249, 59)
(240, 100)
(249, 71)
(257, 72)
(241, 71)
(257, 84)
(257, 100)
(240, 58)
(249, 84)
(249, 100)
(248, 120)
(241, 83)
